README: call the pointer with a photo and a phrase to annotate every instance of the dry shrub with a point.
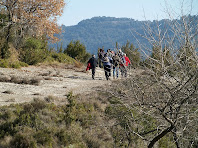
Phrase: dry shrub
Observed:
(6, 141)
(97, 138)
(81, 70)
(72, 135)
(57, 74)
(16, 79)
(69, 66)
(44, 74)
(35, 81)
(10, 100)
(25, 80)
(78, 64)
(23, 140)
(38, 104)
(55, 64)
(50, 99)
(4, 78)
(14, 56)
(98, 105)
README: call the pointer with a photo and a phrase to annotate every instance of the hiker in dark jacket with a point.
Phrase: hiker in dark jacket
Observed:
(116, 61)
(100, 57)
(107, 66)
(93, 64)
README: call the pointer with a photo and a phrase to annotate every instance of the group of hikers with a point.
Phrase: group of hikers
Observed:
(110, 59)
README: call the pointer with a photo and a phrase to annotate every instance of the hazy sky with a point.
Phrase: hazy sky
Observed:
(77, 10)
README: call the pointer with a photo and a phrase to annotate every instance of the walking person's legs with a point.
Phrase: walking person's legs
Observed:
(117, 71)
(114, 72)
(100, 63)
(125, 73)
(93, 73)
(122, 70)
(109, 71)
(106, 72)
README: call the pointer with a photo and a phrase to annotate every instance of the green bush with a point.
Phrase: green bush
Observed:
(77, 51)
(42, 124)
(62, 58)
(44, 137)
(33, 56)
(6, 63)
(34, 51)
(73, 135)
(5, 53)
(22, 141)
(18, 64)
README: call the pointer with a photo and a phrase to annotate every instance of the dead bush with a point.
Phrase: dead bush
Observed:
(25, 80)
(78, 64)
(4, 78)
(35, 81)
(16, 79)
(10, 100)
(50, 99)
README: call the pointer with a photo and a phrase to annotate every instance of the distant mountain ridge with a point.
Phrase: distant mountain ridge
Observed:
(99, 32)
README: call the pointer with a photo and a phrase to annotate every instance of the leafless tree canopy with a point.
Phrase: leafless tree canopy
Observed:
(162, 102)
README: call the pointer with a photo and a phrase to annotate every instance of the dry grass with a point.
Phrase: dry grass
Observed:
(50, 99)
(35, 81)
(20, 80)
(4, 78)
(11, 100)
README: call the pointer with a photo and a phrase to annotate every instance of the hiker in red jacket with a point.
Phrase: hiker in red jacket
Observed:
(126, 64)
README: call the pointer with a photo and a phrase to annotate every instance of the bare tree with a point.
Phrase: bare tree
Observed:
(165, 95)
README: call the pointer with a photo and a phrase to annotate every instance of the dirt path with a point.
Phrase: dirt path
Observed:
(54, 82)
(25, 84)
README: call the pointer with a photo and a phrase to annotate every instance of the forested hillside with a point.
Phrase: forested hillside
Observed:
(97, 32)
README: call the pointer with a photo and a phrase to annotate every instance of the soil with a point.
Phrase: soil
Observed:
(53, 81)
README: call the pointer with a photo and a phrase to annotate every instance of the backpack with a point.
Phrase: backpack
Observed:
(123, 60)
(100, 56)
(115, 61)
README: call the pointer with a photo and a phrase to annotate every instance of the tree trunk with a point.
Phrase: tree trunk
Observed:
(158, 137)
(175, 137)
(5, 48)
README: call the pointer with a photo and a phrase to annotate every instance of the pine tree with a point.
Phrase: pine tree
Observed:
(77, 50)
(132, 53)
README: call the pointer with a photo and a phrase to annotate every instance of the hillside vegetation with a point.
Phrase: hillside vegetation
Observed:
(110, 117)
(104, 31)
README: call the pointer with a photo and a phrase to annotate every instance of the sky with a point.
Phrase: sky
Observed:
(78, 10)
